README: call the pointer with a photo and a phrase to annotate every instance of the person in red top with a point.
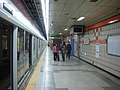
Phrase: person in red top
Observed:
(55, 51)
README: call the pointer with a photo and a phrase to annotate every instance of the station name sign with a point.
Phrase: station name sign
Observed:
(7, 8)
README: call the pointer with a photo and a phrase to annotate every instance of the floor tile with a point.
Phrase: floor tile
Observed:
(73, 75)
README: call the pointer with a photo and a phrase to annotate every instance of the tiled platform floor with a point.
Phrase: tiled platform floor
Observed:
(73, 74)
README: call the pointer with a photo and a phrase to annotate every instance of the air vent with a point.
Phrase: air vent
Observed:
(118, 9)
(93, 0)
(55, 0)
(66, 14)
(73, 18)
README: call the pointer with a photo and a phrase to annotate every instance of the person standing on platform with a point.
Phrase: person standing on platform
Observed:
(55, 52)
(68, 50)
(57, 47)
(63, 51)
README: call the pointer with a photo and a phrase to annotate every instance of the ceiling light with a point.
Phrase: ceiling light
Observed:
(60, 33)
(66, 29)
(81, 18)
(45, 10)
(112, 21)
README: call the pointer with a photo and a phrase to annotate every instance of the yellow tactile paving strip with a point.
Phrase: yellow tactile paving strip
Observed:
(32, 83)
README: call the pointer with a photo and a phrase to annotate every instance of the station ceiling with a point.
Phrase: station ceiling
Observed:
(64, 13)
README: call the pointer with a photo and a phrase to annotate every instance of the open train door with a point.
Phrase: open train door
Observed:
(5, 55)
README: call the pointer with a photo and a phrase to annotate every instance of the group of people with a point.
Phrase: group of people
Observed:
(63, 48)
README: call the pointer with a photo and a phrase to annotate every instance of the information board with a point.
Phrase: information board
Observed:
(113, 45)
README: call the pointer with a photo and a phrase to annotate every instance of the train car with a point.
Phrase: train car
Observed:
(21, 45)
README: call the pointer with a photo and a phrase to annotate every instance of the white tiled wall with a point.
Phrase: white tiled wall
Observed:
(107, 62)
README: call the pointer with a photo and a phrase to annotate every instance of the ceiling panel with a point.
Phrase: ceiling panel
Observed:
(57, 1)
(69, 22)
(103, 10)
(115, 4)
(64, 13)
(104, 2)
(54, 13)
(53, 17)
(88, 3)
(75, 2)
(82, 11)
(56, 7)
(71, 10)
(62, 21)
(71, 7)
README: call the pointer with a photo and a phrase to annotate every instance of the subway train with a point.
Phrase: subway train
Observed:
(21, 45)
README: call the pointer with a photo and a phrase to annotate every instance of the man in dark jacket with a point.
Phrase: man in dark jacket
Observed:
(68, 50)
(63, 50)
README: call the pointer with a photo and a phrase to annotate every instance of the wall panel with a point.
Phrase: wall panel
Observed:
(88, 52)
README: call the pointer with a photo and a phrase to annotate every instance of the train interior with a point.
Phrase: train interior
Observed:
(5, 36)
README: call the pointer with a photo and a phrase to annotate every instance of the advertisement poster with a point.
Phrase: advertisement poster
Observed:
(97, 50)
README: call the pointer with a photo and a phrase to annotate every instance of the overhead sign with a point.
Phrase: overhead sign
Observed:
(7, 8)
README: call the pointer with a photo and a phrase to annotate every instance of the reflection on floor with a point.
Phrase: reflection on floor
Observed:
(73, 74)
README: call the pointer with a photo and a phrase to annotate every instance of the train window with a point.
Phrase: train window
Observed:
(39, 47)
(27, 50)
(35, 50)
(23, 52)
(20, 54)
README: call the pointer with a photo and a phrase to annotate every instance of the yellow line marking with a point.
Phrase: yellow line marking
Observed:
(33, 80)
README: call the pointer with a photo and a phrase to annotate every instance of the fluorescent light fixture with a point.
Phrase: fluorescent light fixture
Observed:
(45, 9)
(81, 18)
(60, 33)
(112, 21)
(66, 29)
